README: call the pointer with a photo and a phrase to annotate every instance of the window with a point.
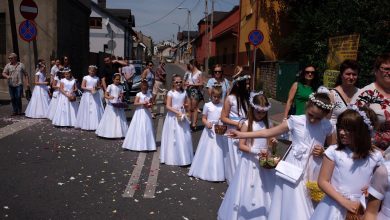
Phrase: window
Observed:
(95, 23)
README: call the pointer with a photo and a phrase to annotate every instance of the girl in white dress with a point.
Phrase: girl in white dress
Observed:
(249, 193)
(176, 140)
(55, 84)
(140, 135)
(39, 103)
(348, 166)
(208, 163)
(379, 194)
(67, 106)
(91, 107)
(308, 132)
(113, 123)
(233, 115)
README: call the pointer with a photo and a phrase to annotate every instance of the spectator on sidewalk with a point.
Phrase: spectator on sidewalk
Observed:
(218, 78)
(159, 80)
(128, 72)
(300, 91)
(55, 69)
(107, 72)
(15, 73)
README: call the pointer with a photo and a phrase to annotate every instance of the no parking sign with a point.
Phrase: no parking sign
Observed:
(27, 30)
(256, 37)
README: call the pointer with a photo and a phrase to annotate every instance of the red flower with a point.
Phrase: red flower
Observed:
(370, 92)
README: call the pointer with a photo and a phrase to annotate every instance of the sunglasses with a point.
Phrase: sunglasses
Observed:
(178, 82)
(218, 71)
(385, 69)
(309, 72)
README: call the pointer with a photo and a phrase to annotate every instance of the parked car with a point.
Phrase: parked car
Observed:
(170, 59)
(137, 76)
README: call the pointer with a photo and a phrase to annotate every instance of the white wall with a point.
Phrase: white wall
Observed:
(99, 37)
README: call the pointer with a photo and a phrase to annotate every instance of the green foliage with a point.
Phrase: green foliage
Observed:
(315, 21)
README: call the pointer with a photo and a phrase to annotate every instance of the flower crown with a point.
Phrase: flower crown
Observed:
(366, 120)
(93, 66)
(66, 69)
(258, 107)
(217, 85)
(320, 103)
(241, 78)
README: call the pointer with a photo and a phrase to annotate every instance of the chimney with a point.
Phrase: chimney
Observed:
(102, 3)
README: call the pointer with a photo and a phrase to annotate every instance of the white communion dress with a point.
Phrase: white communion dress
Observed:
(380, 189)
(113, 123)
(54, 100)
(249, 193)
(140, 135)
(208, 163)
(91, 107)
(39, 103)
(66, 111)
(176, 140)
(349, 177)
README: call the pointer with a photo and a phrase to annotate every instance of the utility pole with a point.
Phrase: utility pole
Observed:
(211, 24)
(206, 13)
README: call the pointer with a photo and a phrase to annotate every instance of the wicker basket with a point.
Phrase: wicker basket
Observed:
(220, 129)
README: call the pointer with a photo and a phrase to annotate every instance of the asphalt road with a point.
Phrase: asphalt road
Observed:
(65, 173)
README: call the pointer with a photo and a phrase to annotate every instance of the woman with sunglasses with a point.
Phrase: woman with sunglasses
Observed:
(218, 79)
(377, 96)
(300, 91)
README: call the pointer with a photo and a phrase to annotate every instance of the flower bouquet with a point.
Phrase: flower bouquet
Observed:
(316, 194)
(267, 160)
(220, 129)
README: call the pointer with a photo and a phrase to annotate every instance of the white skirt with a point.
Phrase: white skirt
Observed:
(140, 135)
(53, 105)
(250, 191)
(113, 123)
(232, 156)
(208, 163)
(90, 111)
(66, 112)
(39, 103)
(328, 208)
(176, 142)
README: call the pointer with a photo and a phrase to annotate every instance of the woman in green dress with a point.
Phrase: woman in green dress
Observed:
(299, 92)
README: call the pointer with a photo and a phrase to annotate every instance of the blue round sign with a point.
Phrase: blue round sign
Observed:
(27, 30)
(255, 37)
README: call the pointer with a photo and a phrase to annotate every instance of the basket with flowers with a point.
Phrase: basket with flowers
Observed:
(269, 160)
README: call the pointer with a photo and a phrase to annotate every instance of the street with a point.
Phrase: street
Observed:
(64, 173)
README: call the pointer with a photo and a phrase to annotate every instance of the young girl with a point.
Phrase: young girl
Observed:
(249, 192)
(348, 166)
(176, 140)
(67, 106)
(379, 194)
(39, 104)
(55, 85)
(308, 132)
(113, 123)
(140, 136)
(208, 161)
(233, 114)
(91, 106)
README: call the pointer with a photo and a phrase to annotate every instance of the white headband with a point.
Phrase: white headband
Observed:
(366, 120)
(320, 103)
(258, 107)
(241, 78)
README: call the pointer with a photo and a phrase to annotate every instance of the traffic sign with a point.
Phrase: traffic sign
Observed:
(28, 9)
(255, 37)
(27, 30)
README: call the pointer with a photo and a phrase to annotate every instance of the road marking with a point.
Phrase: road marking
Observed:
(18, 126)
(134, 179)
(151, 185)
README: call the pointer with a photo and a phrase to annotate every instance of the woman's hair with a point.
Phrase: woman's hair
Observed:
(239, 89)
(320, 100)
(262, 101)
(347, 64)
(188, 67)
(217, 91)
(383, 58)
(40, 65)
(351, 121)
(314, 82)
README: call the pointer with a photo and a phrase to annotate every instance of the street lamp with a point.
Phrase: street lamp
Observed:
(188, 20)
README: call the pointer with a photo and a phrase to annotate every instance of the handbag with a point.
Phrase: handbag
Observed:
(288, 171)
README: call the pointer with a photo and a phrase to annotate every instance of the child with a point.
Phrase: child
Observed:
(348, 166)
(233, 114)
(67, 106)
(91, 106)
(176, 140)
(113, 123)
(140, 136)
(39, 104)
(208, 162)
(379, 194)
(55, 85)
(249, 192)
(308, 132)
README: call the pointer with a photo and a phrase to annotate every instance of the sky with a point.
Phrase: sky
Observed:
(155, 18)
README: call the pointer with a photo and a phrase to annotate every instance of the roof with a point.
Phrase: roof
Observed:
(218, 15)
(123, 14)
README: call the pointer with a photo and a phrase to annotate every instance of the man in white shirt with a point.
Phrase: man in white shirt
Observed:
(54, 70)
(128, 73)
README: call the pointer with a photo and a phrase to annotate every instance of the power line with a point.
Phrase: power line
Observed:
(170, 12)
